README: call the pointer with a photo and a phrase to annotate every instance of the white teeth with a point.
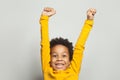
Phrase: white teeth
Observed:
(59, 65)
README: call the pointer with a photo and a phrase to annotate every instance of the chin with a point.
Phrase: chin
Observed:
(57, 69)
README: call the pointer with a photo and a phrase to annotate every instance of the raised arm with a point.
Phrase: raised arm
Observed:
(79, 47)
(45, 44)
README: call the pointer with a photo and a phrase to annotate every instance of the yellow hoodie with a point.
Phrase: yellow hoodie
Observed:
(72, 72)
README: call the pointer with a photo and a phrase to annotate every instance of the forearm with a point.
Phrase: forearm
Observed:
(79, 47)
(44, 30)
(84, 33)
(45, 45)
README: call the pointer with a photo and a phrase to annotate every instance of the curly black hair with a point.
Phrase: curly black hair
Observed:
(64, 42)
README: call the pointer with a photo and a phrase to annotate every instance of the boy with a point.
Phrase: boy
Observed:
(59, 60)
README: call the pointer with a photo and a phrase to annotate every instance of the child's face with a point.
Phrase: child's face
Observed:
(59, 57)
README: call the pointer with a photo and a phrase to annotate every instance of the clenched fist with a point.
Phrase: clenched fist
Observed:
(90, 13)
(47, 11)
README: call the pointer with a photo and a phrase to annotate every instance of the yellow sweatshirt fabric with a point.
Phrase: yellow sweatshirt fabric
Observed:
(72, 72)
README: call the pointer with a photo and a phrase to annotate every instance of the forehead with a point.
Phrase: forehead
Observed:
(59, 49)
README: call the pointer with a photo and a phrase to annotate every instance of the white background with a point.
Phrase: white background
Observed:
(20, 37)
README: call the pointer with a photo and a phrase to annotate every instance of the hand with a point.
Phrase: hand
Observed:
(47, 11)
(90, 13)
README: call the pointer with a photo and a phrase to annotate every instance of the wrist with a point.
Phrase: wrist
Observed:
(44, 17)
(90, 22)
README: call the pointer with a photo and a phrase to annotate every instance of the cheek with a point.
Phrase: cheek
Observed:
(67, 60)
(52, 62)
(53, 59)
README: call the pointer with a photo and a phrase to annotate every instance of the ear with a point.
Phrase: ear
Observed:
(69, 63)
(50, 63)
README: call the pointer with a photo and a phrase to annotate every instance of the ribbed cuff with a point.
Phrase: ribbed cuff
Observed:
(90, 22)
(43, 17)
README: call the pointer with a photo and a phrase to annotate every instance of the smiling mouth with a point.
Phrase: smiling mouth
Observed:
(59, 65)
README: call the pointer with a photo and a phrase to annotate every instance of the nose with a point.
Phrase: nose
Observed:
(59, 58)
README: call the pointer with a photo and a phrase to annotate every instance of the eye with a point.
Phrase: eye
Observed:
(54, 55)
(64, 55)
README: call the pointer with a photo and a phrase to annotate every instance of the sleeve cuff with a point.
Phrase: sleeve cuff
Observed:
(43, 17)
(89, 22)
